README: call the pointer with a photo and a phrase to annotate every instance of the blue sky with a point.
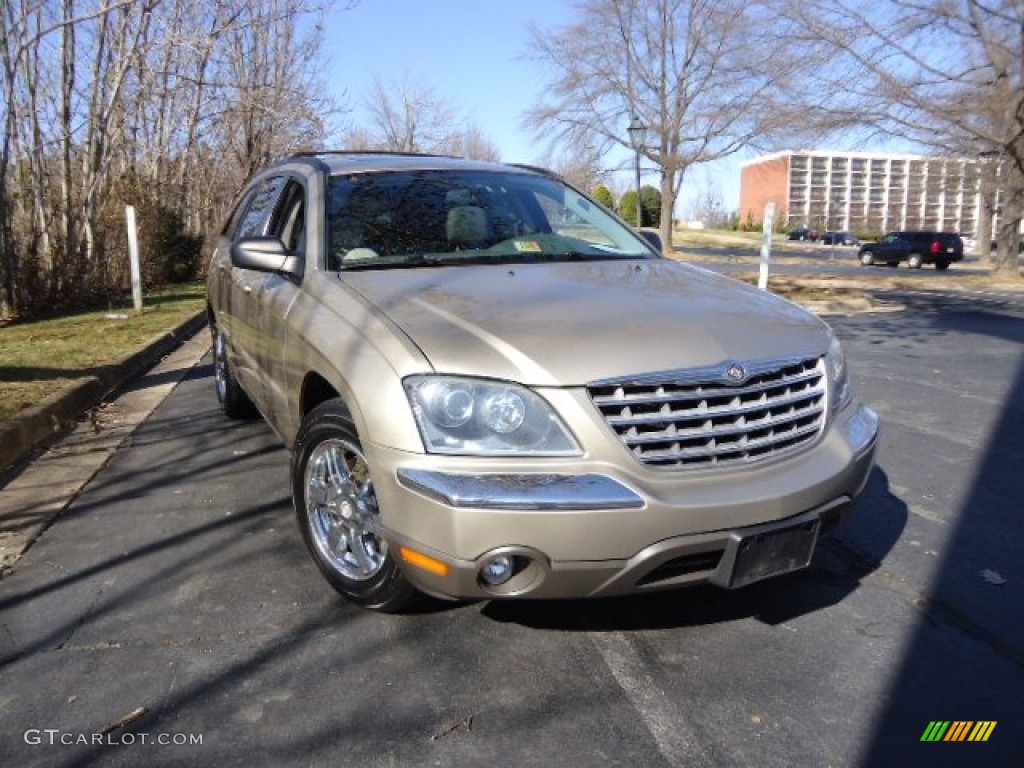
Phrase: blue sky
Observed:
(474, 56)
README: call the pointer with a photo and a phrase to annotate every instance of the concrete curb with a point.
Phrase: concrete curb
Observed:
(21, 434)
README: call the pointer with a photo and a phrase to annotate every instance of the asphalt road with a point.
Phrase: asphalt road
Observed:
(815, 259)
(174, 601)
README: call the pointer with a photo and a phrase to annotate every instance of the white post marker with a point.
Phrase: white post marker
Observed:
(133, 258)
(766, 245)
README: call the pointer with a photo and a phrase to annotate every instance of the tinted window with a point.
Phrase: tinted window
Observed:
(414, 218)
(289, 219)
(236, 215)
(254, 222)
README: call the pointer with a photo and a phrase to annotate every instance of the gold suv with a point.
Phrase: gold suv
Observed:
(493, 388)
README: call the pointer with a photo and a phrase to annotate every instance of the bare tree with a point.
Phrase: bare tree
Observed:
(945, 75)
(581, 165)
(708, 206)
(699, 74)
(166, 104)
(471, 142)
(409, 117)
(359, 139)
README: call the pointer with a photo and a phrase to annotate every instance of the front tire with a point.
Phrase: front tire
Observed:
(914, 261)
(867, 258)
(338, 513)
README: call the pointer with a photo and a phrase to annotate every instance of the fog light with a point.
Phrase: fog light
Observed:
(498, 570)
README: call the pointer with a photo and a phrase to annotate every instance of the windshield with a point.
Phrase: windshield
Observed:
(414, 218)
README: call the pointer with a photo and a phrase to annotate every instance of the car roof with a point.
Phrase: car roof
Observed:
(343, 161)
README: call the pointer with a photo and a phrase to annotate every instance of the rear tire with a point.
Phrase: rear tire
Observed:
(867, 258)
(942, 265)
(234, 402)
(914, 261)
(338, 513)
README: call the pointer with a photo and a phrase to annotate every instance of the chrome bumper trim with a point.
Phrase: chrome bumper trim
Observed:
(527, 492)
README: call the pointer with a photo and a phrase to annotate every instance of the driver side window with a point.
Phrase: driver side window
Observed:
(254, 221)
(289, 223)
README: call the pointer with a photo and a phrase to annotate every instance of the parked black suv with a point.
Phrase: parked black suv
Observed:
(915, 248)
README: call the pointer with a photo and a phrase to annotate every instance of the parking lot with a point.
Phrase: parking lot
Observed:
(174, 599)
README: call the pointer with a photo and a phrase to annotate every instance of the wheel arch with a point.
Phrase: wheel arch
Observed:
(316, 390)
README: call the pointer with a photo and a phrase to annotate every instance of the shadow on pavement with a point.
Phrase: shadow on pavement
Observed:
(971, 672)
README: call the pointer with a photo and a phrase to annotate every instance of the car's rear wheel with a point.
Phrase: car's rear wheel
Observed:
(233, 400)
(892, 264)
(914, 261)
(338, 513)
(867, 258)
(942, 265)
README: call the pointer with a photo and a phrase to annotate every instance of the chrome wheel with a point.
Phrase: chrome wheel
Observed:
(341, 508)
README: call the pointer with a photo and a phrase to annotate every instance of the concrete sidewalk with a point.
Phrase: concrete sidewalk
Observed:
(33, 494)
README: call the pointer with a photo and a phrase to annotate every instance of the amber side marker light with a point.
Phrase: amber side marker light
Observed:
(422, 561)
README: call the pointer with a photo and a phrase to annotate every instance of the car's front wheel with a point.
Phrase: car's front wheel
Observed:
(338, 513)
(914, 261)
(867, 258)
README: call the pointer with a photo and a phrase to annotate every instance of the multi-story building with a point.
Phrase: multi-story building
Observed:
(865, 191)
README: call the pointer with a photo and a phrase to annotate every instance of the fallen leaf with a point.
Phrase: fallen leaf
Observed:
(128, 719)
(466, 722)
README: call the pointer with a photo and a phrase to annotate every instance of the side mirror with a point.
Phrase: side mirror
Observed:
(652, 237)
(264, 254)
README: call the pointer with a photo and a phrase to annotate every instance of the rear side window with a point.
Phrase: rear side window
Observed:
(254, 221)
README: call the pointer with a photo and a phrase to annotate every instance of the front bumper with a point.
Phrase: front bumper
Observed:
(602, 531)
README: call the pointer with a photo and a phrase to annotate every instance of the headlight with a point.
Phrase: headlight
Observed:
(480, 417)
(838, 379)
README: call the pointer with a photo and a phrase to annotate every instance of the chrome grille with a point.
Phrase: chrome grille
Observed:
(699, 418)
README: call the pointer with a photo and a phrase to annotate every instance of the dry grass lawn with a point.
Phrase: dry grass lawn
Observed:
(39, 357)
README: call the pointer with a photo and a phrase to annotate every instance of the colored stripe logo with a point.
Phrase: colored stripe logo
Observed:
(958, 730)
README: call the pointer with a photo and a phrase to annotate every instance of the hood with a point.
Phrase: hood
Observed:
(567, 324)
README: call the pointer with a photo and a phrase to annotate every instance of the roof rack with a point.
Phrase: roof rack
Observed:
(537, 169)
(317, 152)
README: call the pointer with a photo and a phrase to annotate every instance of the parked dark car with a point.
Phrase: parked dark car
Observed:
(804, 233)
(839, 238)
(915, 248)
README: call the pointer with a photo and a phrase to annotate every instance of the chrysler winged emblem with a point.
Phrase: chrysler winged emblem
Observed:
(735, 373)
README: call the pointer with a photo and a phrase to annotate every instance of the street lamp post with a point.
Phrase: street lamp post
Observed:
(637, 134)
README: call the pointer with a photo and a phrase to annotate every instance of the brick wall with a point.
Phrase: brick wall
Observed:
(761, 183)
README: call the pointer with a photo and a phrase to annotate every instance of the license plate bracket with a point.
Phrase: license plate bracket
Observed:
(771, 551)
